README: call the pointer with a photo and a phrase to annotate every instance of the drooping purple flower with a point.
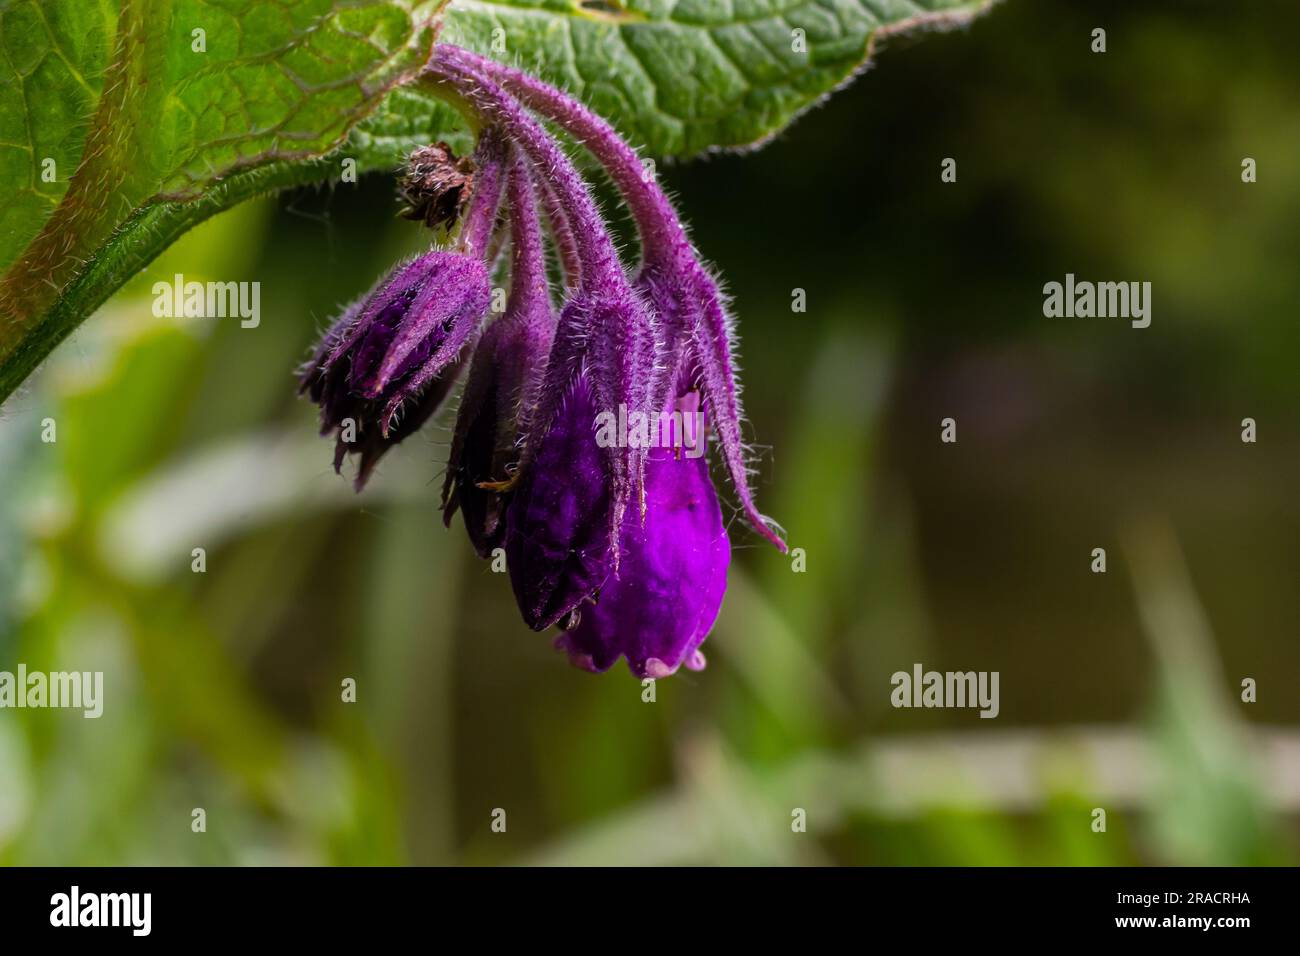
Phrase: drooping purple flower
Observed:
(387, 363)
(374, 373)
(659, 607)
(621, 543)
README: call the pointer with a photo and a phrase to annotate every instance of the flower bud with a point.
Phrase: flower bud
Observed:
(387, 350)
(557, 538)
(502, 390)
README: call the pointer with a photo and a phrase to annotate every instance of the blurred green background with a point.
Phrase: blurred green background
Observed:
(1118, 690)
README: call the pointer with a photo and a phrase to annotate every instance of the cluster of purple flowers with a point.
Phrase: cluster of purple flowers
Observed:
(622, 547)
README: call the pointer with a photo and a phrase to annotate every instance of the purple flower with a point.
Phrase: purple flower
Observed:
(557, 543)
(620, 543)
(390, 353)
(388, 362)
(659, 607)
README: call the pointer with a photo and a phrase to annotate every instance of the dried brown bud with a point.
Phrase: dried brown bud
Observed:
(436, 185)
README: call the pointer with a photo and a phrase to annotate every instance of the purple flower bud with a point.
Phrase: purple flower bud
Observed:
(567, 515)
(505, 378)
(557, 541)
(387, 364)
(388, 349)
(661, 604)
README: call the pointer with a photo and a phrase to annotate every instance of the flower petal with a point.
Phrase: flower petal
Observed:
(671, 579)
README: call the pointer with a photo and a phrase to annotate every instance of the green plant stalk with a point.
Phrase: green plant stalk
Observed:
(145, 236)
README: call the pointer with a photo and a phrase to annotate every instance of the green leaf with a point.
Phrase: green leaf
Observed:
(683, 76)
(123, 123)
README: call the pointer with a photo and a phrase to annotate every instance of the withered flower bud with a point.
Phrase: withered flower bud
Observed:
(436, 186)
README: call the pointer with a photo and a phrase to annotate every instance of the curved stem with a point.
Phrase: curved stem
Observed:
(528, 285)
(662, 233)
(489, 182)
(596, 249)
(664, 245)
(561, 235)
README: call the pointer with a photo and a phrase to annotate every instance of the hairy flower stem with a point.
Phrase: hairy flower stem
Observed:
(604, 311)
(665, 247)
(489, 179)
(592, 241)
(528, 285)
(505, 379)
(561, 235)
(662, 235)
